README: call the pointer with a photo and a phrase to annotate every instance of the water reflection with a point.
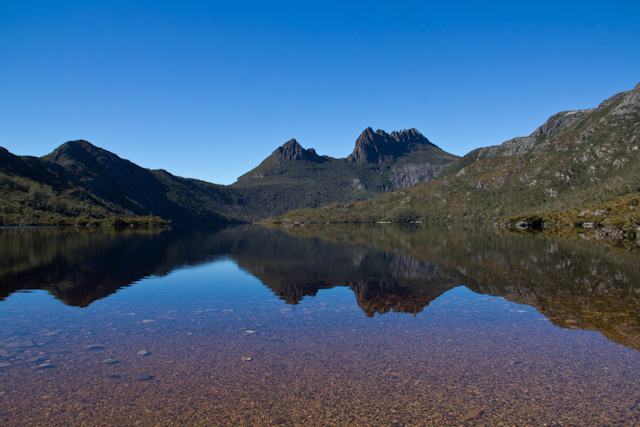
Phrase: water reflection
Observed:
(576, 285)
(220, 327)
(388, 268)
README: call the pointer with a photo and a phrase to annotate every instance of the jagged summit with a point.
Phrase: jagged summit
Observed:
(378, 146)
(397, 160)
(291, 151)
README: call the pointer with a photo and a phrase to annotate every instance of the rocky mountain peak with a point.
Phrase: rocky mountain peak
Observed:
(378, 146)
(411, 135)
(292, 151)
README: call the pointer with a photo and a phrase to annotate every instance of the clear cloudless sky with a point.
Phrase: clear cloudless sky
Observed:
(208, 89)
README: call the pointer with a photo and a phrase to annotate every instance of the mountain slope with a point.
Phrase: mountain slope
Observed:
(293, 177)
(79, 179)
(624, 102)
(109, 177)
(33, 190)
(575, 158)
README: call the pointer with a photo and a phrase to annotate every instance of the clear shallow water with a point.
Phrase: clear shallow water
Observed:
(337, 333)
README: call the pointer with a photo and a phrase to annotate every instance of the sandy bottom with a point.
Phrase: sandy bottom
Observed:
(323, 364)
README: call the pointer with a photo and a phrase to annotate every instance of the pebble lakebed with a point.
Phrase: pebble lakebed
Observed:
(244, 359)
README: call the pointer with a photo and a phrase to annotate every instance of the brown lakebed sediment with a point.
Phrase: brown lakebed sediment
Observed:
(351, 373)
(392, 341)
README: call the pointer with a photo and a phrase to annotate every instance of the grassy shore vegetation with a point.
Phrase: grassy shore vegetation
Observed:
(616, 223)
(26, 202)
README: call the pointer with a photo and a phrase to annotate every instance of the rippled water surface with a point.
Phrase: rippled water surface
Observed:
(375, 326)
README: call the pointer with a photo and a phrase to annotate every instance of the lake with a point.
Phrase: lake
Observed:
(371, 325)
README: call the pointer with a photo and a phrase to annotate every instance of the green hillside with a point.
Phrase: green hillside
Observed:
(79, 183)
(576, 159)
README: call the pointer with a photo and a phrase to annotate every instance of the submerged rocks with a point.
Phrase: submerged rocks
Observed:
(94, 347)
(471, 414)
(46, 365)
(20, 344)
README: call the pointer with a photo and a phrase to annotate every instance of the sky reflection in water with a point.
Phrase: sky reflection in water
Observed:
(208, 343)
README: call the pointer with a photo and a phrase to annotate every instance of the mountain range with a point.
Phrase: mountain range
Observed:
(576, 160)
(573, 159)
(81, 181)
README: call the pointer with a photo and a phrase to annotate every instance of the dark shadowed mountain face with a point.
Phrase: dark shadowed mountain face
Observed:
(111, 178)
(135, 189)
(81, 180)
(34, 190)
(379, 146)
(292, 151)
(30, 166)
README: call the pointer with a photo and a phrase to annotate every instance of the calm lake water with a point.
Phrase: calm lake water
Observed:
(338, 325)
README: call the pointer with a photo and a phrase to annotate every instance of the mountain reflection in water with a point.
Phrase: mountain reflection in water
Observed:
(389, 268)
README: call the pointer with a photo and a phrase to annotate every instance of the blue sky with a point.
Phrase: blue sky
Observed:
(208, 90)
